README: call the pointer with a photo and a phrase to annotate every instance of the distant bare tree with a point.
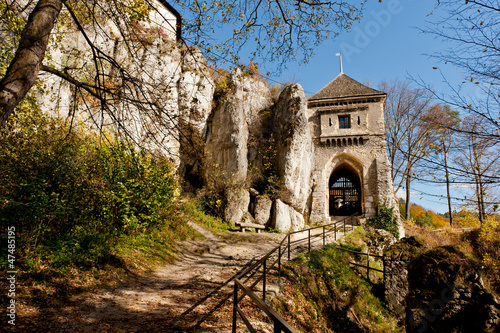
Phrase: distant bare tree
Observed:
(408, 131)
(469, 31)
(478, 157)
(444, 122)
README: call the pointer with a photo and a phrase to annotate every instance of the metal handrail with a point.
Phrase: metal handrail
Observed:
(280, 325)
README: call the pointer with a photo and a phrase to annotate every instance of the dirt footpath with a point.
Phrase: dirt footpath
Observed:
(191, 295)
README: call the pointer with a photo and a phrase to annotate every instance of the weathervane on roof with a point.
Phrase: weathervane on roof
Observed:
(341, 69)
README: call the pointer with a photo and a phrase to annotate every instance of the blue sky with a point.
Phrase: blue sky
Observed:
(386, 44)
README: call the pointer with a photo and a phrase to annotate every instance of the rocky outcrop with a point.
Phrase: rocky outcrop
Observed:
(227, 141)
(397, 258)
(286, 218)
(163, 90)
(226, 147)
(253, 93)
(448, 295)
(437, 290)
(262, 210)
(297, 221)
(281, 216)
(236, 205)
(294, 147)
(227, 154)
(196, 89)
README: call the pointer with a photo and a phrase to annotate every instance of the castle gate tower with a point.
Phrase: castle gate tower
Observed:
(351, 172)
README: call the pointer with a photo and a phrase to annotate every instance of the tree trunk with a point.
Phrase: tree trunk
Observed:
(482, 210)
(408, 181)
(447, 176)
(23, 69)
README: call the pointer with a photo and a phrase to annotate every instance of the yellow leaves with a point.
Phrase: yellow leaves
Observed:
(466, 219)
(487, 232)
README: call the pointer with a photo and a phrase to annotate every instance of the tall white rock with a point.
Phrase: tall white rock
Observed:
(226, 147)
(294, 147)
(286, 218)
(195, 90)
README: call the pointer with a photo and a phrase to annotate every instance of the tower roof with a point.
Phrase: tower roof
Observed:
(344, 86)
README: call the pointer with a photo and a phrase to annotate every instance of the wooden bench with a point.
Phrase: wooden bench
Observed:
(244, 226)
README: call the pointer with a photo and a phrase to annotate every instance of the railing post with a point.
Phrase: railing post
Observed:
(309, 239)
(279, 265)
(288, 247)
(277, 326)
(279, 259)
(323, 235)
(335, 227)
(368, 265)
(383, 267)
(264, 282)
(235, 304)
(344, 226)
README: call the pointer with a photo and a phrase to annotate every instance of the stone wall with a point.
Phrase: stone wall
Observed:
(396, 283)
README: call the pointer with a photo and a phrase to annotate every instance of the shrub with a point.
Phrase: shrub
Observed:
(385, 219)
(70, 196)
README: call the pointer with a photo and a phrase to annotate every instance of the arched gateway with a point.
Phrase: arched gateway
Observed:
(346, 119)
(344, 190)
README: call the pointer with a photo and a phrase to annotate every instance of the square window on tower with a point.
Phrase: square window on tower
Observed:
(344, 122)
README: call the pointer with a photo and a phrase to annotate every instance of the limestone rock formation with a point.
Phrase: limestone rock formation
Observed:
(286, 218)
(236, 205)
(253, 93)
(226, 147)
(196, 89)
(227, 154)
(281, 216)
(227, 141)
(262, 210)
(294, 147)
(168, 87)
(297, 221)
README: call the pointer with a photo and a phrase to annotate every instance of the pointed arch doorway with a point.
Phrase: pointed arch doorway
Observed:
(344, 189)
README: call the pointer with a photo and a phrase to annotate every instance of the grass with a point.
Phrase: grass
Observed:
(323, 294)
(192, 209)
(54, 272)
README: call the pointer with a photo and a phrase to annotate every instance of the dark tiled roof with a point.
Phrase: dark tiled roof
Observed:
(344, 86)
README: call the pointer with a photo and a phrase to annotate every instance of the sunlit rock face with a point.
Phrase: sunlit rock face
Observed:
(294, 147)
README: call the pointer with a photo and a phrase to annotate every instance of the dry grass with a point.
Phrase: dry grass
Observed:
(482, 245)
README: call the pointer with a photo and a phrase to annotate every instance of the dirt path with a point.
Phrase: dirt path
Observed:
(191, 295)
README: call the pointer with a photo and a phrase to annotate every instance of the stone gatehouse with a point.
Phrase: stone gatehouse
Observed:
(351, 172)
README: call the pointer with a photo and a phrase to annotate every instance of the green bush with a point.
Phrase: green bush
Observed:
(385, 219)
(70, 195)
